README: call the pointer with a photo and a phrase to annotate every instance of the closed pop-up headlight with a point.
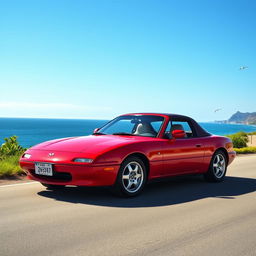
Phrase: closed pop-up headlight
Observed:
(83, 160)
(26, 155)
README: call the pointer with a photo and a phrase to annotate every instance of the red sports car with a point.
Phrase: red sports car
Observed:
(128, 151)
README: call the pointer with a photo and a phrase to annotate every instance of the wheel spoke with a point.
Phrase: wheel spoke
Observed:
(129, 185)
(126, 177)
(138, 175)
(130, 168)
(215, 165)
(217, 171)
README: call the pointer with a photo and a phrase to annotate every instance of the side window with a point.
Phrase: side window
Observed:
(179, 125)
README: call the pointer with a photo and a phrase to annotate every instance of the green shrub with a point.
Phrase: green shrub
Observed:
(245, 150)
(10, 152)
(11, 147)
(239, 139)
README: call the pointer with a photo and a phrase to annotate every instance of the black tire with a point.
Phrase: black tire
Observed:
(218, 167)
(131, 178)
(53, 187)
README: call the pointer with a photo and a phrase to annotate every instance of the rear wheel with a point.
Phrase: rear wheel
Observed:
(53, 187)
(218, 167)
(131, 177)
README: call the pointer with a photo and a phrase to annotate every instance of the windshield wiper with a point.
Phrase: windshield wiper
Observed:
(123, 133)
(99, 133)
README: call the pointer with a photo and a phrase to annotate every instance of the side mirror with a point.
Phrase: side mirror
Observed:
(96, 130)
(178, 134)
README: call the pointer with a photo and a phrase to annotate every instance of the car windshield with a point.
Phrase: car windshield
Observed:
(134, 125)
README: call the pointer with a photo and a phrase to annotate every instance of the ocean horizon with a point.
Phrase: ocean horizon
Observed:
(31, 131)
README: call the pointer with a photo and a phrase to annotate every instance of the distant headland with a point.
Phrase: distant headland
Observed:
(241, 118)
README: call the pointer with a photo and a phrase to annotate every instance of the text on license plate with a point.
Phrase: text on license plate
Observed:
(43, 169)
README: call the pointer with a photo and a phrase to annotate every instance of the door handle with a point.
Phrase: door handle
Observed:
(198, 145)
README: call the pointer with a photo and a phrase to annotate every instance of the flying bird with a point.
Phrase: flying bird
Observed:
(216, 110)
(243, 67)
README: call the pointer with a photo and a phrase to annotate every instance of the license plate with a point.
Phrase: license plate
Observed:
(43, 169)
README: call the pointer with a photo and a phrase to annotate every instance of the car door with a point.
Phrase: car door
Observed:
(184, 155)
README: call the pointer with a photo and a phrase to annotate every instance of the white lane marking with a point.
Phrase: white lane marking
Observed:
(18, 184)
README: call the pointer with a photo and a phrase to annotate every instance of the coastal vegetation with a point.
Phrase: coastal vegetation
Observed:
(251, 133)
(245, 150)
(240, 141)
(10, 152)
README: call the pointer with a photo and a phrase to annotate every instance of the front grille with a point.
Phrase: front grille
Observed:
(57, 176)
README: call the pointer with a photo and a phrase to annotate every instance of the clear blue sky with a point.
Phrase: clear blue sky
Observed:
(98, 59)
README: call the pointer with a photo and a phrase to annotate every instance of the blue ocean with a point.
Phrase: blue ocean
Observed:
(31, 131)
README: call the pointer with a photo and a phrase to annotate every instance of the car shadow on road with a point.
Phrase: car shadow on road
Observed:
(174, 191)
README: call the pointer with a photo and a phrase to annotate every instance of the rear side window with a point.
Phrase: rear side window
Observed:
(179, 125)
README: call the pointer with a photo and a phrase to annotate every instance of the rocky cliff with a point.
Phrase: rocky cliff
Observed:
(244, 118)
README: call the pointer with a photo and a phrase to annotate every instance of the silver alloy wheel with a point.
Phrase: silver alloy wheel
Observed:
(219, 166)
(132, 177)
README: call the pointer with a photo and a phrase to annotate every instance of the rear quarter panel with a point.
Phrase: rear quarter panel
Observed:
(213, 143)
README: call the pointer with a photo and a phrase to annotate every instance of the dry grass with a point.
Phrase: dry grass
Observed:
(9, 166)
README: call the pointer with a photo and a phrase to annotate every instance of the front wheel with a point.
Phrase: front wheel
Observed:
(131, 177)
(53, 187)
(218, 167)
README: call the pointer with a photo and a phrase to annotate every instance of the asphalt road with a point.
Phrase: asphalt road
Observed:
(184, 216)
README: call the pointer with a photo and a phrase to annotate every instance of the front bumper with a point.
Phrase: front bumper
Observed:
(78, 175)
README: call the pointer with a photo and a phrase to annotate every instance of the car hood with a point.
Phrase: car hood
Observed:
(89, 144)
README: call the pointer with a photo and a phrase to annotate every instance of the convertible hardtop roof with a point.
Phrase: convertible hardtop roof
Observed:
(159, 114)
(200, 132)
